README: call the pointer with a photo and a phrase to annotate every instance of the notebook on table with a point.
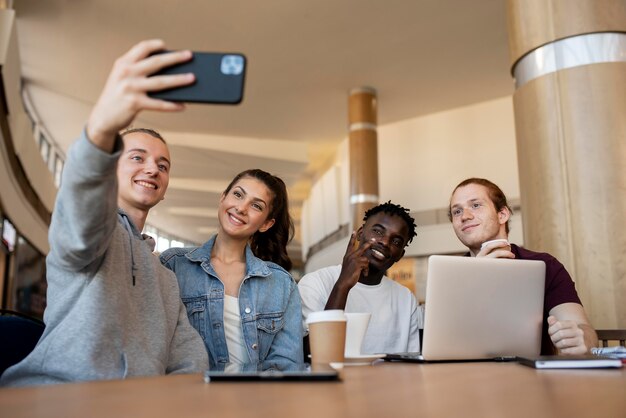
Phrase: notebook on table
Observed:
(588, 361)
(481, 309)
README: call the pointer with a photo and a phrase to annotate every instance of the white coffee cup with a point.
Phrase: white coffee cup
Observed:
(355, 331)
(484, 244)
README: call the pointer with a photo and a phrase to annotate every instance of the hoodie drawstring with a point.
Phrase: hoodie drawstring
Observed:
(130, 240)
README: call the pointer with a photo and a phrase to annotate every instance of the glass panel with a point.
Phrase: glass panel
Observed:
(9, 234)
(44, 148)
(29, 281)
(163, 244)
(176, 244)
(58, 169)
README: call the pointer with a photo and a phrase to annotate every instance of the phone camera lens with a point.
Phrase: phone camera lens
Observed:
(232, 64)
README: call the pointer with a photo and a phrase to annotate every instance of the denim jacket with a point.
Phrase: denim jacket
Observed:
(269, 302)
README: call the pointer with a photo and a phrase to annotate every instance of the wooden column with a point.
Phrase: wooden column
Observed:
(570, 118)
(363, 152)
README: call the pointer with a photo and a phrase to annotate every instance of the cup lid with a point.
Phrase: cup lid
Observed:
(331, 315)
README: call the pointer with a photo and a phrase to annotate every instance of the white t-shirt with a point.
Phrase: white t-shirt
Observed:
(237, 354)
(393, 327)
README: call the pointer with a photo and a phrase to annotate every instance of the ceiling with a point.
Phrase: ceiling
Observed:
(422, 56)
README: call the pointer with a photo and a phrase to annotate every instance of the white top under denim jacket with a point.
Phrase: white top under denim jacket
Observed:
(234, 337)
(269, 304)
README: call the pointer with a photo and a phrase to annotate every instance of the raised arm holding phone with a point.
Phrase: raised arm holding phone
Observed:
(113, 311)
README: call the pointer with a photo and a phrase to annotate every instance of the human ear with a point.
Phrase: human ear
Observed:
(503, 215)
(267, 225)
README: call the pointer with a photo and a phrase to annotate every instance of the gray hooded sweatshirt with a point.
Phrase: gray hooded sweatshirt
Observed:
(113, 310)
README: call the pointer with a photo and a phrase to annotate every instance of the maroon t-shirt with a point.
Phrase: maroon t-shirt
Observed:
(559, 289)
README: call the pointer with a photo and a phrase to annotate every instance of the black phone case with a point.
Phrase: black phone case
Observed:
(272, 376)
(219, 79)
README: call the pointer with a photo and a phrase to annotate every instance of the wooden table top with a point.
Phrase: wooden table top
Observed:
(381, 390)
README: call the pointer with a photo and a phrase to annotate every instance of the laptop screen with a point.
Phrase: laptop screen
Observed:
(482, 308)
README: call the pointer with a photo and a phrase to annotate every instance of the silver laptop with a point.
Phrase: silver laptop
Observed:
(479, 308)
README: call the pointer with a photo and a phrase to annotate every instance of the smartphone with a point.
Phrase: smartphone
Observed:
(272, 376)
(219, 79)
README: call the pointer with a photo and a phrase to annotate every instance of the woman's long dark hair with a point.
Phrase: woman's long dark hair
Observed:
(271, 245)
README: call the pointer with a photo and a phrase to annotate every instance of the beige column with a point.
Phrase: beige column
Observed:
(362, 110)
(569, 64)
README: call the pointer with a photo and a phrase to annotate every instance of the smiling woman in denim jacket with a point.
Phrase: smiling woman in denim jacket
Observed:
(236, 288)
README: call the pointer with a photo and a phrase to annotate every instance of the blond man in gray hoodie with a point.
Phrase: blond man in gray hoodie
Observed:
(113, 310)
